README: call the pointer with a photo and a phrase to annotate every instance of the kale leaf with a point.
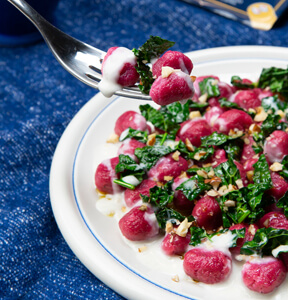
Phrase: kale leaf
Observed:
(228, 172)
(152, 48)
(276, 79)
(149, 155)
(158, 119)
(274, 103)
(284, 172)
(199, 234)
(141, 136)
(249, 202)
(210, 87)
(270, 124)
(193, 187)
(127, 166)
(165, 214)
(240, 83)
(225, 103)
(283, 203)
(160, 198)
(265, 241)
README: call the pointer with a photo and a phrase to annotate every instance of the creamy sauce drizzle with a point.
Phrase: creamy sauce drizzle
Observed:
(112, 68)
(150, 254)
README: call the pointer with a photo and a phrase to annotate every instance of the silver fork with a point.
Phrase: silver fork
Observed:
(80, 59)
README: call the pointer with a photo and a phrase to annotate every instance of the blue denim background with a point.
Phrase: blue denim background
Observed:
(38, 99)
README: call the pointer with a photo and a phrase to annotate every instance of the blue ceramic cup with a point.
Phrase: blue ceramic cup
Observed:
(16, 29)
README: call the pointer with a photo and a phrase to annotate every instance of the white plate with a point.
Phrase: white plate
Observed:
(94, 237)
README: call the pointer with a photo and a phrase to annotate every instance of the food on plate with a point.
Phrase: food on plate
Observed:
(208, 266)
(139, 223)
(263, 275)
(165, 78)
(118, 70)
(208, 177)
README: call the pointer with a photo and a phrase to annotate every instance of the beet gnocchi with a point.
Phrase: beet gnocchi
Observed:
(207, 177)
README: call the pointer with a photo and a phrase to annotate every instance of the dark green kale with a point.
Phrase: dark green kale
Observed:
(240, 83)
(193, 187)
(235, 208)
(197, 105)
(159, 120)
(265, 241)
(228, 172)
(216, 139)
(199, 234)
(276, 79)
(126, 167)
(165, 214)
(202, 153)
(270, 124)
(232, 145)
(283, 203)
(161, 198)
(210, 87)
(152, 48)
(284, 172)
(248, 203)
(274, 104)
(168, 117)
(141, 136)
(176, 111)
(149, 155)
(225, 103)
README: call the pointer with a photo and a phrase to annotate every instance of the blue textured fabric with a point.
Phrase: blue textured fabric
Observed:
(38, 99)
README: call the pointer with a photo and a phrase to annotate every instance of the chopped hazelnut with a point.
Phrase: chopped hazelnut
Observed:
(143, 207)
(202, 173)
(276, 167)
(281, 113)
(194, 114)
(166, 71)
(169, 227)
(212, 193)
(199, 155)
(176, 155)
(239, 183)
(141, 249)
(261, 115)
(113, 139)
(151, 139)
(254, 128)
(230, 203)
(250, 175)
(189, 145)
(203, 98)
(235, 133)
(176, 278)
(182, 229)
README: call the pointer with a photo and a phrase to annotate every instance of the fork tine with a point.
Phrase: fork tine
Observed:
(128, 92)
(95, 68)
(93, 77)
(134, 95)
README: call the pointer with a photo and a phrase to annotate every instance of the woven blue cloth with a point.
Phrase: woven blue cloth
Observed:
(38, 99)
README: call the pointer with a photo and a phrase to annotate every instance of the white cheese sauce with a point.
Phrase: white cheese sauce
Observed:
(112, 68)
(149, 253)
